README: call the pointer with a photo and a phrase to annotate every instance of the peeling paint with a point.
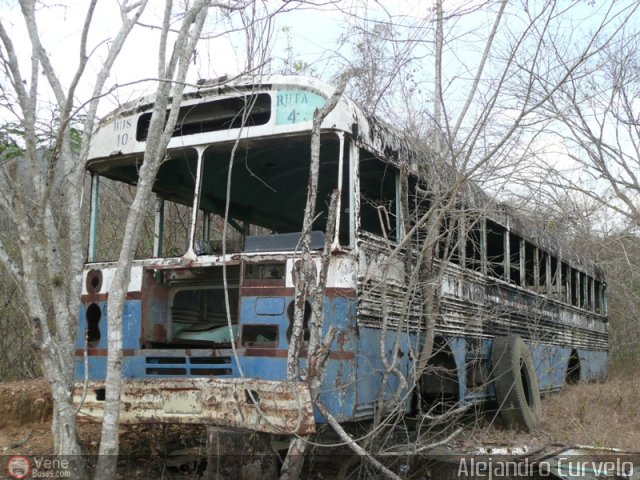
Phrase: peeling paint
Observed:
(276, 407)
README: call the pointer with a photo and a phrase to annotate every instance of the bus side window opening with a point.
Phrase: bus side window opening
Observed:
(575, 287)
(543, 258)
(473, 250)
(495, 250)
(514, 258)
(378, 205)
(529, 264)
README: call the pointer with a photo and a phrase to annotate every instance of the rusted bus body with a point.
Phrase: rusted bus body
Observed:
(197, 352)
(187, 380)
(568, 341)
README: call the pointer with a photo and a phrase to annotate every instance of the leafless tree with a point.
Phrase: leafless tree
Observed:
(172, 70)
(598, 115)
(591, 171)
(309, 282)
(484, 122)
(42, 188)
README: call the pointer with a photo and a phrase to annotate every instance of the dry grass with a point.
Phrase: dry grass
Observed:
(600, 414)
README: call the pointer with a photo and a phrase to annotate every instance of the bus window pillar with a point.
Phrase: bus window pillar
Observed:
(206, 226)
(523, 275)
(536, 270)
(507, 252)
(196, 205)
(559, 279)
(158, 227)
(461, 241)
(95, 211)
(576, 275)
(399, 215)
(550, 280)
(354, 192)
(336, 242)
(483, 246)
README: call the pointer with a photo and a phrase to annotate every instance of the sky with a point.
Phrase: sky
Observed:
(311, 34)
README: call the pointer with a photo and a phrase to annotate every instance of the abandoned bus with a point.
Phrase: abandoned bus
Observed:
(518, 313)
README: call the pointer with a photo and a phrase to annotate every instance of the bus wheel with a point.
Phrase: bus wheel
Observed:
(515, 383)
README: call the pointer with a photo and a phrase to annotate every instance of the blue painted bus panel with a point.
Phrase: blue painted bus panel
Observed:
(130, 325)
(458, 348)
(353, 377)
(550, 362)
(275, 306)
(593, 365)
(370, 367)
(97, 368)
(270, 306)
(338, 388)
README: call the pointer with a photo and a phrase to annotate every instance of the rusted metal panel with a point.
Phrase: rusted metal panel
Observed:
(259, 405)
(471, 303)
(107, 272)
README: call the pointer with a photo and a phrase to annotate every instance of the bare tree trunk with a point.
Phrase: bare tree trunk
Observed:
(44, 198)
(173, 74)
(308, 284)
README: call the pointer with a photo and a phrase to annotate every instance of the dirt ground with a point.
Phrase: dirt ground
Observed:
(25, 414)
(602, 415)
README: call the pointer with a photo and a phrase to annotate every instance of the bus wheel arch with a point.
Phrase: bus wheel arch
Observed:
(573, 368)
(439, 383)
(515, 383)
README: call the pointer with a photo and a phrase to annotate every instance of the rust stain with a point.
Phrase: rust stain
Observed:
(280, 407)
(266, 291)
(102, 352)
(282, 353)
(102, 297)
(263, 283)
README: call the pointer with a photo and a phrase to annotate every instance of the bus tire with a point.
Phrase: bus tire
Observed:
(515, 383)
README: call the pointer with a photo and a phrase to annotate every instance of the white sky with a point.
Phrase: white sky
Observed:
(313, 35)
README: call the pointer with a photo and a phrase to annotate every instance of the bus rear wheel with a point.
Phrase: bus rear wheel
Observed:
(515, 383)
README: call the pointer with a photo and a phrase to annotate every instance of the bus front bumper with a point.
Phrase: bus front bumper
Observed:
(251, 404)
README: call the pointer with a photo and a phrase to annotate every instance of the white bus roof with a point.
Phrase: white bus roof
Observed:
(292, 102)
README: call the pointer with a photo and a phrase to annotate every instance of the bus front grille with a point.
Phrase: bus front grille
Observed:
(188, 366)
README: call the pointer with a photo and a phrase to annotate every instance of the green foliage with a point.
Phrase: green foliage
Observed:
(300, 66)
(10, 136)
(76, 139)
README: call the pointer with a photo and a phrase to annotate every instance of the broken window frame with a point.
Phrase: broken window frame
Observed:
(389, 220)
(197, 233)
(495, 249)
